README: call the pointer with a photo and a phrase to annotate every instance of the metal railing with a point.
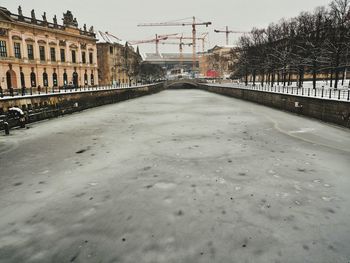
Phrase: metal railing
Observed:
(15, 93)
(320, 93)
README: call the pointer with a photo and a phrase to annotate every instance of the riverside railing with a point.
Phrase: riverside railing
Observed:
(9, 93)
(320, 93)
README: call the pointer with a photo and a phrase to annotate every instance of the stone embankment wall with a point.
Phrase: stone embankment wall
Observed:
(43, 107)
(333, 111)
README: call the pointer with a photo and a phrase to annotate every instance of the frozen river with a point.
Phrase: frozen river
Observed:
(179, 176)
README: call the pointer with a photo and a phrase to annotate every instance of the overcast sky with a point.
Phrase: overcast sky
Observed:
(121, 17)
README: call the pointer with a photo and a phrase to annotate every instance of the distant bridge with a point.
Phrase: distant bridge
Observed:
(183, 83)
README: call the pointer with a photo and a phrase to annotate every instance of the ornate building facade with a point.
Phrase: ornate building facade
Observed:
(118, 63)
(35, 52)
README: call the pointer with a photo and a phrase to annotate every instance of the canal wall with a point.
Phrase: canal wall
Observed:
(333, 111)
(47, 106)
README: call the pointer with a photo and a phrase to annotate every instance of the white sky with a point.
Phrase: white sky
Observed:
(121, 17)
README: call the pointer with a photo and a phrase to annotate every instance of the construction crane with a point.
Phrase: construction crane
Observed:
(194, 24)
(113, 36)
(227, 32)
(203, 38)
(104, 36)
(155, 40)
(181, 44)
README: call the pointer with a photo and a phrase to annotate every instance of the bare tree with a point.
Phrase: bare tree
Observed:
(312, 43)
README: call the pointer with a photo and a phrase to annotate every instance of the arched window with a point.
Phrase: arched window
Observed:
(32, 79)
(75, 79)
(8, 80)
(65, 78)
(92, 79)
(45, 79)
(86, 79)
(11, 79)
(54, 79)
(23, 81)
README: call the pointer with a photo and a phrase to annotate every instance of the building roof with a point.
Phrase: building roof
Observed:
(166, 57)
(68, 21)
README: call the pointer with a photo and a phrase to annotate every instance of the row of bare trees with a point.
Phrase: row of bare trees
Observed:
(316, 44)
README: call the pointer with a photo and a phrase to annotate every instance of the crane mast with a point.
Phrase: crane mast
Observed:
(194, 52)
(181, 44)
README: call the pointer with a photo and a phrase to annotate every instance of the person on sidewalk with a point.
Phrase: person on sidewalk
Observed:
(23, 91)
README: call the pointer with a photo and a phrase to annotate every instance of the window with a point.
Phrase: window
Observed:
(3, 50)
(63, 55)
(75, 79)
(17, 48)
(86, 79)
(91, 61)
(9, 80)
(32, 79)
(54, 79)
(92, 79)
(45, 79)
(23, 82)
(42, 53)
(111, 50)
(65, 78)
(30, 50)
(83, 57)
(53, 54)
(74, 57)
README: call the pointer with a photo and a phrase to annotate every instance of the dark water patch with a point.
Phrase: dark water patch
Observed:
(180, 213)
(74, 257)
(330, 210)
(306, 247)
(80, 195)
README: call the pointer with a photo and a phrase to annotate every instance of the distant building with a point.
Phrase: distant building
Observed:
(171, 61)
(36, 52)
(118, 63)
(218, 62)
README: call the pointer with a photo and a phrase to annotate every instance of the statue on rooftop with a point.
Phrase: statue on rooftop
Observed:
(91, 30)
(55, 20)
(75, 22)
(20, 13)
(84, 27)
(33, 16)
(69, 20)
(44, 17)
